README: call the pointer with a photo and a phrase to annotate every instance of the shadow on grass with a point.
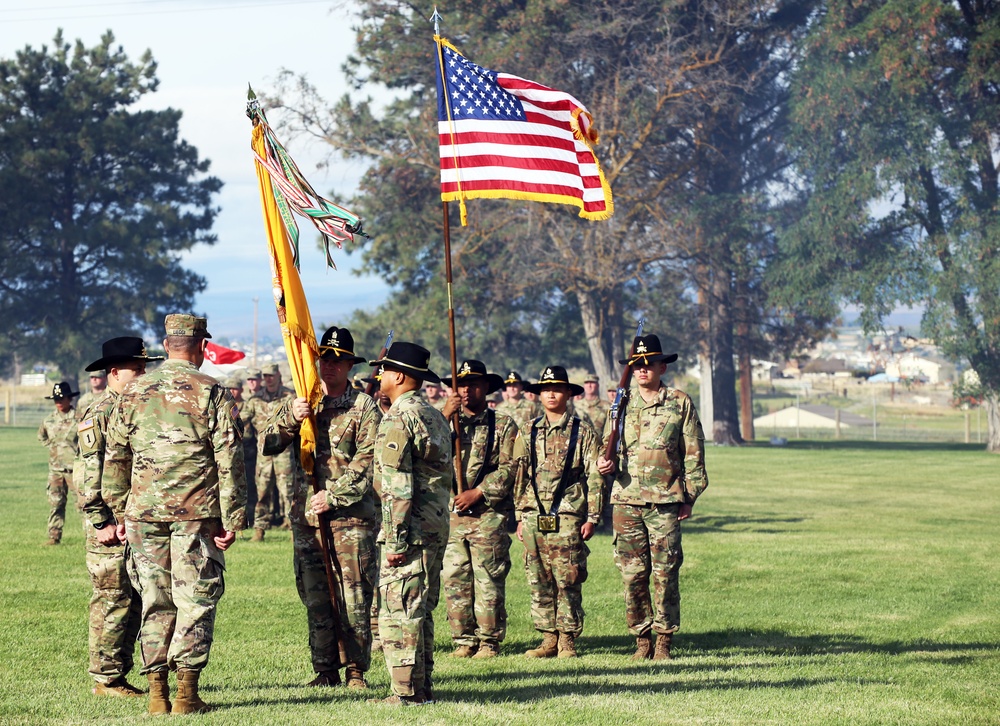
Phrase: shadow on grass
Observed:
(861, 445)
(743, 523)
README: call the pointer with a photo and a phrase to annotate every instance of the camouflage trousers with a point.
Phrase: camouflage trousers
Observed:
(115, 610)
(474, 576)
(556, 567)
(408, 595)
(59, 486)
(179, 571)
(647, 542)
(354, 544)
(275, 478)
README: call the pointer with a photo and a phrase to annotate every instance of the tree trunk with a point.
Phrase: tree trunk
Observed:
(991, 403)
(596, 327)
(705, 408)
(725, 422)
(746, 395)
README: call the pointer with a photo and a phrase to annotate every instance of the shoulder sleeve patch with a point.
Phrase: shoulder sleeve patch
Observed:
(394, 448)
(86, 425)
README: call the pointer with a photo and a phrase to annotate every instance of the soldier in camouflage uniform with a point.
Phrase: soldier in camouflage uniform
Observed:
(517, 406)
(59, 433)
(274, 471)
(592, 405)
(115, 610)
(413, 473)
(660, 473)
(477, 558)
(253, 382)
(558, 498)
(346, 425)
(175, 483)
(435, 395)
(98, 385)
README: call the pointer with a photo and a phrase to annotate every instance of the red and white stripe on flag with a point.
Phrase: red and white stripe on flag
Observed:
(506, 137)
(220, 354)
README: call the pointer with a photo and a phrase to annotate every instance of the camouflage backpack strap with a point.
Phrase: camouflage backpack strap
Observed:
(574, 435)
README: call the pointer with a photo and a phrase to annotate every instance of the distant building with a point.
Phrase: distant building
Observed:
(810, 416)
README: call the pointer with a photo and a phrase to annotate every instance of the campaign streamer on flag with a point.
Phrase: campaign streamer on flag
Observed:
(504, 137)
(220, 354)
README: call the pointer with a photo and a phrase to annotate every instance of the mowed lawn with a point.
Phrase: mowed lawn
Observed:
(842, 583)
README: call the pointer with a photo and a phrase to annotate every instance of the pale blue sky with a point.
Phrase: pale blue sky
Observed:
(207, 51)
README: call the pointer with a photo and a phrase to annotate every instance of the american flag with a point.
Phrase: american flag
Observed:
(505, 137)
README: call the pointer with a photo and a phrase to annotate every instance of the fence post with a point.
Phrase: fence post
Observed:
(6, 406)
(968, 427)
(836, 417)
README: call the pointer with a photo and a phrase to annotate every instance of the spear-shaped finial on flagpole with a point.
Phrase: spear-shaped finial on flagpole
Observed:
(436, 19)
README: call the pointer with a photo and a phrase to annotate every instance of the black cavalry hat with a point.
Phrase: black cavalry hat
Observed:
(646, 349)
(62, 390)
(121, 350)
(512, 378)
(474, 370)
(553, 376)
(338, 343)
(408, 358)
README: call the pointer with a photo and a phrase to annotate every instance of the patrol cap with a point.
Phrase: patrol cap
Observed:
(187, 326)
(270, 369)
(99, 374)
(253, 373)
(592, 378)
(233, 382)
(63, 389)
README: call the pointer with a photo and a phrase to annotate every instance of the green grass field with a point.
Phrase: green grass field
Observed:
(823, 583)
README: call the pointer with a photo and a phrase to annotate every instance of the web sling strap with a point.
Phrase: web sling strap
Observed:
(484, 469)
(550, 522)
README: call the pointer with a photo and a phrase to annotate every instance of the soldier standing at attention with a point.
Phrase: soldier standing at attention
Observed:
(516, 405)
(592, 405)
(346, 424)
(98, 385)
(174, 481)
(435, 395)
(115, 610)
(477, 558)
(413, 473)
(59, 433)
(274, 469)
(660, 473)
(253, 384)
(558, 499)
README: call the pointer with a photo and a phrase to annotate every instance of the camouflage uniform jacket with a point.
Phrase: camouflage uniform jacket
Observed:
(87, 400)
(58, 432)
(662, 454)
(522, 411)
(175, 451)
(498, 483)
(596, 410)
(258, 410)
(90, 462)
(584, 494)
(346, 427)
(413, 472)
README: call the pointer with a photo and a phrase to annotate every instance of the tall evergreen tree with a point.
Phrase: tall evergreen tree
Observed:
(898, 116)
(97, 201)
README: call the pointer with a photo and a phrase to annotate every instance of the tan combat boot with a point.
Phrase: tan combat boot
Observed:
(487, 650)
(567, 645)
(663, 647)
(118, 688)
(188, 700)
(643, 647)
(355, 677)
(258, 535)
(548, 648)
(464, 651)
(159, 693)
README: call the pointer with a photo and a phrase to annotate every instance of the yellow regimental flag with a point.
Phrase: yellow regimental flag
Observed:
(290, 300)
